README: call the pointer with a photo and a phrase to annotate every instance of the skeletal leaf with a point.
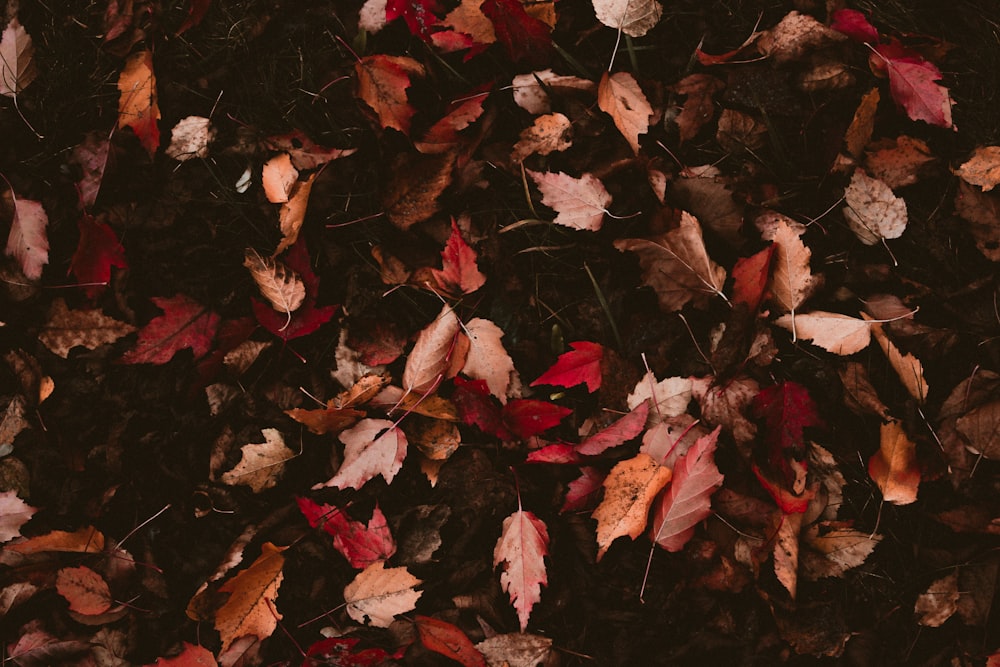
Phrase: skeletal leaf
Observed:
(872, 211)
(620, 96)
(280, 285)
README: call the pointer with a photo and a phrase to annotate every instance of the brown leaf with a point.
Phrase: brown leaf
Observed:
(328, 420)
(516, 649)
(580, 203)
(677, 266)
(738, 131)
(190, 138)
(795, 36)
(980, 426)
(939, 602)
(67, 329)
(791, 280)
(548, 134)
(620, 96)
(84, 540)
(834, 548)
(840, 334)
(378, 593)
(280, 285)
(982, 169)
(14, 513)
(250, 608)
(382, 84)
(702, 191)
(859, 394)
(982, 211)
(908, 368)
(629, 490)
(898, 162)
(726, 404)
(894, 467)
(437, 439)
(85, 590)
(786, 552)
(873, 212)
(633, 17)
(293, 213)
(699, 108)
(262, 464)
(17, 55)
(417, 182)
(433, 353)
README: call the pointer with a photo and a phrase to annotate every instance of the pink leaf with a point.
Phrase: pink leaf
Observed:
(360, 544)
(913, 87)
(855, 25)
(581, 365)
(557, 453)
(308, 317)
(583, 490)
(28, 241)
(522, 547)
(185, 323)
(372, 447)
(527, 417)
(688, 499)
(617, 433)
(96, 252)
(459, 274)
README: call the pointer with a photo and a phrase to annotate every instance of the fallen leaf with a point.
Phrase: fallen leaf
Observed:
(558, 453)
(521, 550)
(448, 640)
(726, 404)
(982, 169)
(527, 417)
(196, 12)
(292, 213)
(378, 593)
(939, 602)
(620, 432)
(840, 334)
(17, 53)
(459, 273)
(525, 38)
(444, 135)
(687, 501)
(328, 420)
(189, 656)
(372, 447)
(190, 138)
(668, 397)
(786, 552)
(92, 157)
(794, 37)
(633, 17)
(416, 183)
(982, 211)
(980, 426)
(549, 134)
(738, 131)
(580, 365)
(677, 266)
(531, 91)
(277, 177)
(704, 192)
(433, 354)
(859, 394)
(580, 203)
(913, 84)
(306, 154)
(84, 540)
(855, 25)
(898, 163)
(620, 96)
(382, 84)
(28, 241)
(834, 548)
(308, 317)
(359, 543)
(85, 590)
(487, 359)
(581, 492)
(859, 133)
(185, 323)
(419, 15)
(750, 277)
(14, 513)
(792, 282)
(137, 104)
(66, 329)
(873, 212)
(250, 609)
(280, 285)
(261, 464)
(787, 410)
(908, 368)
(516, 649)
(894, 467)
(629, 490)
(97, 252)
(476, 407)
(468, 18)
(699, 107)
(341, 652)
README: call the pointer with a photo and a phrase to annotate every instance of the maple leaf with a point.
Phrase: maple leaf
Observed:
(14, 513)
(629, 490)
(86, 591)
(97, 251)
(581, 203)
(787, 410)
(137, 106)
(855, 25)
(17, 55)
(360, 544)
(840, 334)
(308, 317)
(433, 353)
(372, 447)
(66, 329)
(476, 407)
(750, 276)
(185, 323)
(28, 241)
(379, 593)
(548, 134)
(633, 17)
(982, 169)
(250, 610)
(894, 467)
(559, 453)
(525, 38)
(262, 464)
(459, 273)
(448, 640)
(419, 15)
(527, 417)
(487, 359)
(620, 96)
(382, 84)
(872, 211)
(677, 266)
(521, 549)
(687, 501)
(580, 365)
(621, 431)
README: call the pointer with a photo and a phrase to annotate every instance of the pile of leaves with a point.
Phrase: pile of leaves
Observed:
(495, 333)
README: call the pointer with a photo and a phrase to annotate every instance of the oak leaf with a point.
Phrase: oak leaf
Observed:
(433, 354)
(873, 212)
(908, 368)
(67, 329)
(487, 359)
(378, 593)
(359, 543)
(14, 513)
(185, 323)
(620, 96)
(372, 447)
(580, 365)
(28, 241)
(280, 285)
(250, 609)
(633, 17)
(448, 640)
(840, 334)
(97, 252)
(982, 169)
(17, 55)
(629, 490)
(521, 549)
(580, 203)
(382, 84)
(262, 464)
(687, 501)
(85, 590)
(137, 104)
(677, 266)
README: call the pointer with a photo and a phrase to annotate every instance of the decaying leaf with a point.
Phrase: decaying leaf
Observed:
(84, 540)
(28, 241)
(620, 96)
(704, 191)
(250, 608)
(516, 649)
(633, 17)
(17, 58)
(382, 84)
(795, 36)
(548, 134)
(137, 105)
(190, 138)
(372, 447)
(668, 397)
(833, 548)
(982, 211)
(280, 285)
(840, 334)
(417, 182)
(939, 602)
(859, 133)
(185, 323)
(980, 426)
(982, 169)
(444, 135)
(699, 108)
(67, 329)
(899, 162)
(629, 490)
(894, 467)
(786, 552)
(580, 203)
(378, 593)
(277, 177)
(872, 211)
(448, 640)
(262, 464)
(908, 368)
(521, 549)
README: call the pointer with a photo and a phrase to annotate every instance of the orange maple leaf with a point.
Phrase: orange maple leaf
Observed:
(137, 107)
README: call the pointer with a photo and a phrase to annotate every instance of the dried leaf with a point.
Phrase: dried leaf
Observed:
(137, 105)
(306, 153)
(833, 549)
(581, 492)
(433, 354)
(840, 334)
(487, 359)
(908, 368)
(277, 177)
(621, 431)
(980, 426)
(28, 241)
(190, 138)
(521, 549)
(372, 447)
(262, 464)
(292, 213)
(459, 273)
(378, 593)
(939, 602)
(516, 649)
(872, 211)
(85, 590)
(786, 552)
(633, 17)
(580, 203)
(620, 96)
(859, 133)
(67, 329)
(279, 284)
(525, 38)
(382, 84)
(250, 608)
(677, 266)
(84, 540)
(792, 282)
(548, 134)
(360, 544)
(443, 135)
(14, 513)
(738, 131)
(328, 420)
(726, 404)
(982, 169)
(894, 467)
(416, 183)
(97, 251)
(531, 91)
(795, 36)
(704, 192)
(899, 162)
(308, 317)
(92, 158)
(629, 490)
(581, 365)
(17, 53)
(185, 323)
(982, 211)
(190, 656)
(448, 640)
(860, 396)
(419, 15)
(913, 84)
(699, 108)
(669, 397)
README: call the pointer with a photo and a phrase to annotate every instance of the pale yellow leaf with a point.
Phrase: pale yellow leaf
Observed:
(580, 203)
(633, 17)
(379, 593)
(262, 464)
(873, 212)
(620, 96)
(629, 490)
(487, 359)
(840, 334)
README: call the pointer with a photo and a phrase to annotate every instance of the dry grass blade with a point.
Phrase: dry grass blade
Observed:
(280, 285)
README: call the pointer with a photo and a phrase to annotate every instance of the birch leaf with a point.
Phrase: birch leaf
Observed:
(379, 593)
(894, 467)
(840, 334)
(432, 354)
(633, 17)
(28, 241)
(17, 55)
(620, 96)
(872, 211)
(580, 203)
(907, 367)
(280, 285)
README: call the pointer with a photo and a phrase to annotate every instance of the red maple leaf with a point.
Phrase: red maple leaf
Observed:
(750, 276)
(581, 365)
(419, 15)
(184, 323)
(360, 544)
(527, 417)
(582, 491)
(855, 25)
(459, 274)
(913, 84)
(97, 251)
(477, 407)
(524, 37)
(341, 651)
(621, 431)
(308, 317)
(787, 409)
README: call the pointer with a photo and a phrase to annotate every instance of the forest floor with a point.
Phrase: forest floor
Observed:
(275, 391)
